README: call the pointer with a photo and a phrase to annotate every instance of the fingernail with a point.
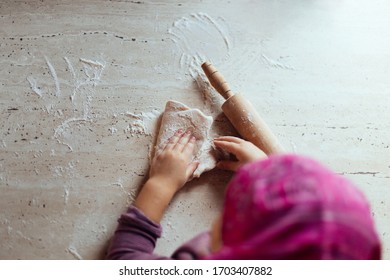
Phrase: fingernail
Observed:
(179, 131)
(193, 138)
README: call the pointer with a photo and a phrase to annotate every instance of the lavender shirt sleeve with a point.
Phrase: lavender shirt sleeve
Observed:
(136, 235)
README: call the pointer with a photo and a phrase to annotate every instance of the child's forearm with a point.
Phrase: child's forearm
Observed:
(154, 199)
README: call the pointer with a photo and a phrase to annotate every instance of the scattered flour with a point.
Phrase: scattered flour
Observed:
(54, 75)
(83, 90)
(34, 87)
(113, 130)
(73, 251)
(144, 123)
(93, 70)
(276, 63)
(131, 194)
(3, 144)
(200, 37)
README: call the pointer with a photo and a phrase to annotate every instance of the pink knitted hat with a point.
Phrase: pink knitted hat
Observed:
(291, 207)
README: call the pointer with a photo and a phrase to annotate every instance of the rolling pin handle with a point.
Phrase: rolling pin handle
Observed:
(242, 114)
(217, 80)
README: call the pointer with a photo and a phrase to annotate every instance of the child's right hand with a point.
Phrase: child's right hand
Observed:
(173, 164)
(244, 151)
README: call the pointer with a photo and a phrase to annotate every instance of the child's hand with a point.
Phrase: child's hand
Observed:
(173, 165)
(243, 150)
(171, 168)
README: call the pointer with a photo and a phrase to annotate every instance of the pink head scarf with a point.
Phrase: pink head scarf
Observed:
(291, 207)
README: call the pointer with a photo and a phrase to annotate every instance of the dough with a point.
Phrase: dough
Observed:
(178, 116)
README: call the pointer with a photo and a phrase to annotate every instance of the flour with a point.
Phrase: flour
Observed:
(74, 78)
(72, 250)
(93, 70)
(54, 76)
(275, 63)
(113, 130)
(3, 144)
(59, 130)
(200, 37)
(137, 128)
(83, 90)
(143, 124)
(131, 194)
(34, 87)
(93, 64)
(68, 171)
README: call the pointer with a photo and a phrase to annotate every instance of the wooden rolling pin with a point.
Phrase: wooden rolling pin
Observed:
(242, 114)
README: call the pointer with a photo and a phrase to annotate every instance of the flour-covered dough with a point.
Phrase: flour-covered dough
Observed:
(178, 116)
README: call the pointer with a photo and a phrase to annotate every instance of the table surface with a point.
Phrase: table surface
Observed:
(83, 82)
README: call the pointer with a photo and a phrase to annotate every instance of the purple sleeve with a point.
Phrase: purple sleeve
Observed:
(194, 249)
(135, 237)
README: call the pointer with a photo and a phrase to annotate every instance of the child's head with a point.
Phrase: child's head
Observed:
(291, 207)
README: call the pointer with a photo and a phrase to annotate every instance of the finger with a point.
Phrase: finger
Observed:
(228, 165)
(230, 139)
(189, 148)
(182, 141)
(230, 147)
(191, 169)
(173, 140)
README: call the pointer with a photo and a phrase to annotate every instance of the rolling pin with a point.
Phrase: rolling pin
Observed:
(242, 114)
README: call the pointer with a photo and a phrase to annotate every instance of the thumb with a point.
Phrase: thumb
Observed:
(228, 165)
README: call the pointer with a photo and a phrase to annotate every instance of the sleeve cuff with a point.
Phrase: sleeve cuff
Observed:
(135, 217)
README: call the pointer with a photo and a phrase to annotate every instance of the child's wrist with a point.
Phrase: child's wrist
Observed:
(164, 184)
(153, 199)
